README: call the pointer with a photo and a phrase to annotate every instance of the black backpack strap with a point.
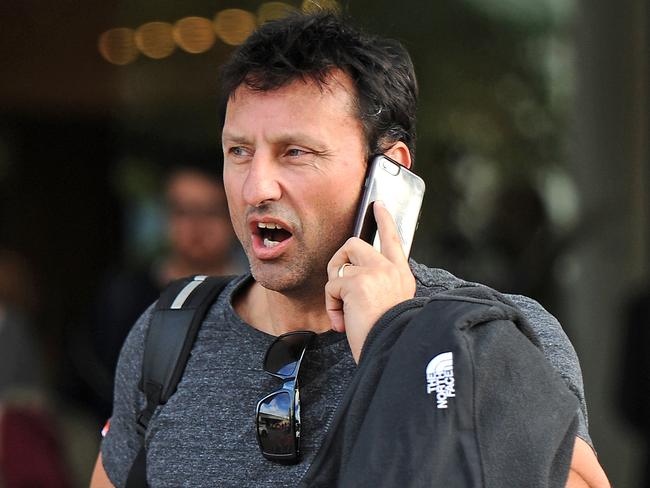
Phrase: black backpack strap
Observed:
(175, 323)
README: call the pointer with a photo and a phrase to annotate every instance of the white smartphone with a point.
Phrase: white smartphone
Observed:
(401, 191)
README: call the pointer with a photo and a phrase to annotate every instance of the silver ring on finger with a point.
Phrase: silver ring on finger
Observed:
(342, 269)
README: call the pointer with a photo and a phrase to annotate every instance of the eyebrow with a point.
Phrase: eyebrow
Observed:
(286, 138)
(226, 136)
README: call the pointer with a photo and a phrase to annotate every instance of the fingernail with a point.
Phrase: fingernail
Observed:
(380, 203)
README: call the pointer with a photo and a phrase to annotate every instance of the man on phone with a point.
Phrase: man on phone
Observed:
(308, 101)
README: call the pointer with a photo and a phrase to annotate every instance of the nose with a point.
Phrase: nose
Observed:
(262, 181)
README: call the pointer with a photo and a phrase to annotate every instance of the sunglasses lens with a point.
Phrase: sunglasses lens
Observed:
(274, 429)
(284, 354)
(278, 414)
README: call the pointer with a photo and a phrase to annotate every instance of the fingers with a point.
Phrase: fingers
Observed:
(335, 291)
(361, 253)
(356, 252)
(363, 283)
(334, 305)
(391, 245)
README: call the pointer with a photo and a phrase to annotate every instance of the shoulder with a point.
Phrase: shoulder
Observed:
(119, 446)
(430, 281)
(121, 443)
(553, 340)
(133, 348)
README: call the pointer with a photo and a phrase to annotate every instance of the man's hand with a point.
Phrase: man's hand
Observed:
(586, 471)
(373, 284)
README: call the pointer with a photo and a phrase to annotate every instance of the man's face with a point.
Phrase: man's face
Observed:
(294, 157)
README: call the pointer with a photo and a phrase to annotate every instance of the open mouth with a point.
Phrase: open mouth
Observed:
(272, 234)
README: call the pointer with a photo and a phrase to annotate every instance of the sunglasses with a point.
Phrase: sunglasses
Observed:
(278, 414)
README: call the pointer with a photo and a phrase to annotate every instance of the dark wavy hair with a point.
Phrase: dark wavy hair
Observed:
(309, 47)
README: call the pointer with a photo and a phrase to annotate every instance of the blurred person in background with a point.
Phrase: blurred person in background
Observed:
(30, 451)
(20, 367)
(199, 240)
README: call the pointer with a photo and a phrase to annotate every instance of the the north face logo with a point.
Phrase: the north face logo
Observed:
(440, 378)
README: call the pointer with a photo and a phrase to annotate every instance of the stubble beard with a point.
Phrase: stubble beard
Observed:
(303, 275)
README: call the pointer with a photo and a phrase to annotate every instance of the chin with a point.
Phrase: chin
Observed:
(283, 279)
(275, 281)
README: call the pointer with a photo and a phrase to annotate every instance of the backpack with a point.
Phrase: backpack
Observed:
(175, 322)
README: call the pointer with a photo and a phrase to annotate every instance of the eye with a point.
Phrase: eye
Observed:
(238, 151)
(295, 152)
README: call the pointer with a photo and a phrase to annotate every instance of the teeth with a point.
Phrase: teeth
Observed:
(268, 225)
(270, 243)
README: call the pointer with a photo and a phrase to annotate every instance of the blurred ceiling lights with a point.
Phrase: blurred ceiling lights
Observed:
(117, 45)
(195, 35)
(155, 40)
(234, 25)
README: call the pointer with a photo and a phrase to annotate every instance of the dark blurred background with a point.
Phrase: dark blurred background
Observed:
(533, 141)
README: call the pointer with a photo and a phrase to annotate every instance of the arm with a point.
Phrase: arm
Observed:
(121, 441)
(585, 471)
(100, 479)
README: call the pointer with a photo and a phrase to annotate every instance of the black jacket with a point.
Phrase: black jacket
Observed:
(451, 391)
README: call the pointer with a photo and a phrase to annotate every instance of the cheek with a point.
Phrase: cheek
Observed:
(232, 185)
(336, 211)
(238, 225)
(234, 203)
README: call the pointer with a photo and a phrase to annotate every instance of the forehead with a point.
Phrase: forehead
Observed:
(336, 96)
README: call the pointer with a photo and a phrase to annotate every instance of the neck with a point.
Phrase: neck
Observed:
(277, 313)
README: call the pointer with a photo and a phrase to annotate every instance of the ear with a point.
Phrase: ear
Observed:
(400, 153)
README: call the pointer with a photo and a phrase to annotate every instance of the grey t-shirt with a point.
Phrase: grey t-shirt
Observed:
(205, 434)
